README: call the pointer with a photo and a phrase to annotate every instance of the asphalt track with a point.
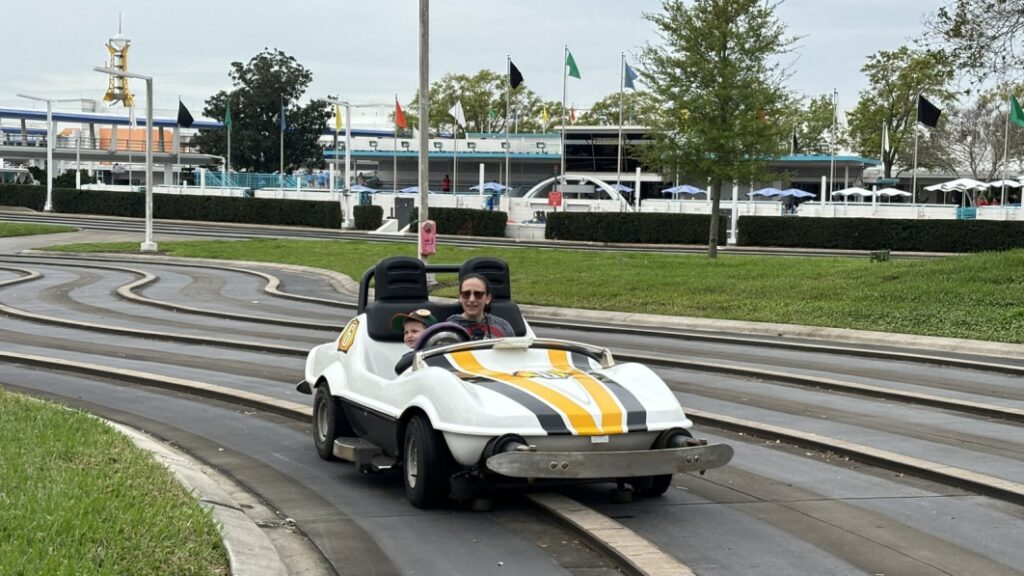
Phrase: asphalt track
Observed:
(781, 507)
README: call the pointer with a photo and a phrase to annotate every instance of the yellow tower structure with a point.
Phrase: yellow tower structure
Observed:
(118, 89)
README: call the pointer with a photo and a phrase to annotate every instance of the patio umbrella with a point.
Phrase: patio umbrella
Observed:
(621, 188)
(767, 192)
(853, 191)
(1007, 183)
(361, 188)
(891, 192)
(411, 190)
(491, 187)
(675, 191)
(797, 193)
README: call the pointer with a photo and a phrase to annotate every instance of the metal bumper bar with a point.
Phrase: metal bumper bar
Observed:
(621, 464)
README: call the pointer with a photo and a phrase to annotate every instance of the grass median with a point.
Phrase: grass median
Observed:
(976, 296)
(77, 497)
(8, 229)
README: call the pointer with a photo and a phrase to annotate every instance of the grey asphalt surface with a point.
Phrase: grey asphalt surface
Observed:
(775, 510)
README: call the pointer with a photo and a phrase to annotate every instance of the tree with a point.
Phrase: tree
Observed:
(259, 88)
(971, 141)
(813, 125)
(983, 37)
(895, 79)
(605, 112)
(719, 91)
(483, 103)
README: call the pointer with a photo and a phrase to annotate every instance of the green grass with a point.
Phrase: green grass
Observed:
(978, 296)
(78, 498)
(21, 229)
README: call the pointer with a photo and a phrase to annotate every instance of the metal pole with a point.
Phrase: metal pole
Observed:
(280, 123)
(348, 147)
(508, 108)
(424, 159)
(565, 55)
(148, 245)
(622, 88)
(913, 185)
(1006, 141)
(48, 206)
(832, 148)
(394, 157)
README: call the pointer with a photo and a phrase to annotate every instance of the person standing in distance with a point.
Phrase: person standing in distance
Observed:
(475, 298)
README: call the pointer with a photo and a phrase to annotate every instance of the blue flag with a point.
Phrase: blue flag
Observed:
(630, 76)
(283, 122)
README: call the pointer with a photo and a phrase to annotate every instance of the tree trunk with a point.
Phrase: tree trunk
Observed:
(716, 200)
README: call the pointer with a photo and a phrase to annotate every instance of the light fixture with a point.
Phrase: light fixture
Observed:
(405, 144)
(438, 145)
(540, 146)
(471, 145)
(373, 144)
(504, 145)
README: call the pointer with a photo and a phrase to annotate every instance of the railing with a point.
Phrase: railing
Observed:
(85, 143)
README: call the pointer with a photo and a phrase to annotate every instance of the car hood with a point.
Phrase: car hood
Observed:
(568, 392)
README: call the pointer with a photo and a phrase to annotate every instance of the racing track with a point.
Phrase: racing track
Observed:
(781, 507)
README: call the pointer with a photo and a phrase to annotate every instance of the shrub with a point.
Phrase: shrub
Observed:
(632, 228)
(466, 222)
(368, 217)
(881, 234)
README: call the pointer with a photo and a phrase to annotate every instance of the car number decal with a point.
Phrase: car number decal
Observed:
(348, 336)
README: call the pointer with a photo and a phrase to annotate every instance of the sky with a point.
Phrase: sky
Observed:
(366, 51)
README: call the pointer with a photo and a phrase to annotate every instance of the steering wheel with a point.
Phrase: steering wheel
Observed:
(441, 334)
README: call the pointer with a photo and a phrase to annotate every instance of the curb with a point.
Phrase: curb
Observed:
(250, 551)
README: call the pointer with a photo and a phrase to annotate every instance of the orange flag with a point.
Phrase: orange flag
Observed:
(399, 116)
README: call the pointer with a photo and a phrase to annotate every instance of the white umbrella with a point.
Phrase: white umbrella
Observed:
(891, 192)
(961, 184)
(1007, 183)
(853, 191)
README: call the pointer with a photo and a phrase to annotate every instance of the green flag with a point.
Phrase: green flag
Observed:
(1016, 114)
(227, 116)
(571, 63)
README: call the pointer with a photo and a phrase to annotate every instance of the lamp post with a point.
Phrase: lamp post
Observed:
(148, 245)
(348, 143)
(48, 205)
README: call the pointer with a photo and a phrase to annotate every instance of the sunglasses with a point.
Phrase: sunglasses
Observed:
(478, 294)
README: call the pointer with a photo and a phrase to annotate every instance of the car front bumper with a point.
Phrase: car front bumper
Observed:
(612, 464)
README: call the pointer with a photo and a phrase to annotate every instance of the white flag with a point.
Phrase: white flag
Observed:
(885, 138)
(458, 114)
(131, 117)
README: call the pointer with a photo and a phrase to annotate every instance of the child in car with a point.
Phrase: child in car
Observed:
(412, 324)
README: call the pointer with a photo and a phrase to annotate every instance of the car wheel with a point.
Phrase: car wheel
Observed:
(328, 422)
(426, 464)
(654, 486)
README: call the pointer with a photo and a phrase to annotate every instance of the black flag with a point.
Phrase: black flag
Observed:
(927, 113)
(185, 119)
(515, 77)
(794, 145)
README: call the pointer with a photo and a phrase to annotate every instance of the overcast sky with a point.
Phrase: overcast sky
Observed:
(366, 50)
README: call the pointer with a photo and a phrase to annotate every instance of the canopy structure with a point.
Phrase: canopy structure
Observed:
(411, 190)
(490, 187)
(891, 192)
(960, 184)
(853, 191)
(361, 188)
(1007, 183)
(767, 192)
(621, 187)
(675, 191)
(797, 193)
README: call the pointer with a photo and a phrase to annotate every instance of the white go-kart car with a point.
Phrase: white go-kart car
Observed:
(461, 417)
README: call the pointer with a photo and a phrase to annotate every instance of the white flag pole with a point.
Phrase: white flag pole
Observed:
(1006, 140)
(622, 88)
(565, 78)
(508, 106)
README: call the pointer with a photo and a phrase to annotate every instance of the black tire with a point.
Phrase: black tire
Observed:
(654, 486)
(328, 422)
(426, 464)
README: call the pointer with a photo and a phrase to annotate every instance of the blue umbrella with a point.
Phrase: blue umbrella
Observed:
(682, 189)
(411, 190)
(797, 193)
(491, 187)
(767, 192)
(361, 188)
(621, 188)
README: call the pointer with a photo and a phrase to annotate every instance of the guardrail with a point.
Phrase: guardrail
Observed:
(85, 143)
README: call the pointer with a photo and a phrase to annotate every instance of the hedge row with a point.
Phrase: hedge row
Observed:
(632, 228)
(881, 234)
(367, 216)
(466, 222)
(174, 207)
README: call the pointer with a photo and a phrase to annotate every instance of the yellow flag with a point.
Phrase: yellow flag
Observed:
(337, 118)
(545, 116)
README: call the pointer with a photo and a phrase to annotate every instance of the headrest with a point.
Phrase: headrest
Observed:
(496, 272)
(400, 279)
